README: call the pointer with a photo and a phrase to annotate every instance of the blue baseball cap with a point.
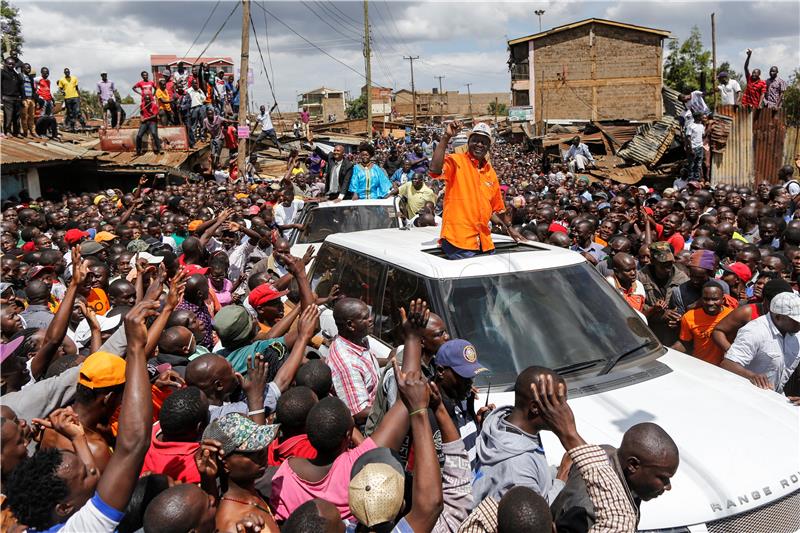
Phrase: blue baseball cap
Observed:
(461, 356)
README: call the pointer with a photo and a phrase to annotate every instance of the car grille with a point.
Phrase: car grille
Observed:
(780, 516)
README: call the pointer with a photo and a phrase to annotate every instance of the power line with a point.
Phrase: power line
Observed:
(202, 29)
(311, 43)
(266, 36)
(263, 64)
(345, 15)
(350, 25)
(214, 38)
(331, 26)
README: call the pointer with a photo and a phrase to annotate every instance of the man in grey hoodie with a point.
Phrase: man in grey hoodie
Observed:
(509, 449)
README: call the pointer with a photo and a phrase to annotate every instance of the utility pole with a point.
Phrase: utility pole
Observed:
(539, 13)
(413, 90)
(469, 95)
(441, 102)
(242, 155)
(495, 111)
(714, 54)
(368, 68)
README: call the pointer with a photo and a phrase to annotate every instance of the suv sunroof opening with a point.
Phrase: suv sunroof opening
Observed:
(500, 248)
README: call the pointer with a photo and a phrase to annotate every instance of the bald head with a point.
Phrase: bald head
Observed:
(176, 340)
(560, 239)
(196, 289)
(205, 371)
(623, 261)
(649, 458)
(180, 508)
(347, 309)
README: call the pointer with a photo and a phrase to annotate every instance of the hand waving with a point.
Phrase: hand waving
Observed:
(416, 320)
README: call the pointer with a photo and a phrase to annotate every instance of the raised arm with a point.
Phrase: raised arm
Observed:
(427, 500)
(177, 285)
(747, 66)
(212, 229)
(58, 327)
(309, 324)
(437, 161)
(136, 414)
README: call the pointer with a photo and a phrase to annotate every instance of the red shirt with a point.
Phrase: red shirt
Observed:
(753, 92)
(676, 241)
(297, 446)
(149, 112)
(43, 89)
(146, 87)
(175, 459)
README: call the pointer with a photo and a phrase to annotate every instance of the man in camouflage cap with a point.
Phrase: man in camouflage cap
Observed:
(660, 278)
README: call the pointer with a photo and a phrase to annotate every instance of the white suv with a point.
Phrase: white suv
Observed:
(534, 304)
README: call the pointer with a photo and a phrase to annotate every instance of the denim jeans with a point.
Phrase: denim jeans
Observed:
(73, 113)
(696, 164)
(148, 126)
(454, 252)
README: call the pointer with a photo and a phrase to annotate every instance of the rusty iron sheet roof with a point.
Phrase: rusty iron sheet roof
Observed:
(672, 106)
(650, 141)
(15, 151)
(130, 159)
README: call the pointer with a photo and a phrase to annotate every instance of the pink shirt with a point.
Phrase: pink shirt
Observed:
(290, 492)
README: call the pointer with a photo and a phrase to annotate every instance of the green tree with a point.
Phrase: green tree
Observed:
(502, 109)
(128, 99)
(688, 64)
(791, 99)
(357, 108)
(90, 103)
(11, 29)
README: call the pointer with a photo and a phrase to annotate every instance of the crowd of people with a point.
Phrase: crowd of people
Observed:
(163, 366)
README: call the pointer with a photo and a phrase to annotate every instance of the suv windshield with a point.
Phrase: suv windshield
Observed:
(566, 318)
(323, 221)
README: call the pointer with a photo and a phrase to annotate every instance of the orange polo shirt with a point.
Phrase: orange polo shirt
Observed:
(472, 195)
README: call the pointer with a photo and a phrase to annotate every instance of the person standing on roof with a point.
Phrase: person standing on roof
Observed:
(578, 157)
(105, 92)
(756, 88)
(473, 194)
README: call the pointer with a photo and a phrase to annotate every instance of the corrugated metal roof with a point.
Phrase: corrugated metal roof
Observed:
(791, 145)
(149, 159)
(650, 141)
(769, 135)
(14, 151)
(734, 166)
(672, 106)
(557, 29)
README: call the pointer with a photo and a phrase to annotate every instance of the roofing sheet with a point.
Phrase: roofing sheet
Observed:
(558, 29)
(650, 141)
(15, 151)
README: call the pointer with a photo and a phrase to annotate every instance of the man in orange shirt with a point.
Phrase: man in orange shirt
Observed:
(472, 198)
(698, 323)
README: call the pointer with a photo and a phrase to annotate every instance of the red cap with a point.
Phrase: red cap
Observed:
(556, 227)
(28, 247)
(741, 270)
(74, 236)
(263, 294)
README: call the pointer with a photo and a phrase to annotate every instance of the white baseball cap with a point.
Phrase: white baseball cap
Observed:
(787, 304)
(481, 128)
(150, 258)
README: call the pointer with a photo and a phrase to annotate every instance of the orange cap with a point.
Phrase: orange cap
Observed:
(194, 224)
(102, 369)
(103, 236)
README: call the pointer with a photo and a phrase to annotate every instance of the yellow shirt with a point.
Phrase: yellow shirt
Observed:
(163, 100)
(415, 199)
(69, 86)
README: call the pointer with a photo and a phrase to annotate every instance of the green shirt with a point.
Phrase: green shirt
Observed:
(238, 357)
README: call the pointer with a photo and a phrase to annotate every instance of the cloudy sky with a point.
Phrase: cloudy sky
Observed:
(463, 41)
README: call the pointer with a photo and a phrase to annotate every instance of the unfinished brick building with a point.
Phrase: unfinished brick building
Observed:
(589, 70)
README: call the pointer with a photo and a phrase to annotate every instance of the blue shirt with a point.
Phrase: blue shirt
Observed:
(401, 177)
(581, 149)
(370, 183)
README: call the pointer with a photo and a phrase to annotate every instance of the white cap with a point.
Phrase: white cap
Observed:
(83, 332)
(150, 258)
(481, 128)
(787, 304)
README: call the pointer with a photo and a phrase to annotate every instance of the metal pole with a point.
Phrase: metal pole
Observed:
(714, 55)
(368, 68)
(539, 13)
(441, 101)
(495, 111)
(469, 96)
(242, 155)
(413, 90)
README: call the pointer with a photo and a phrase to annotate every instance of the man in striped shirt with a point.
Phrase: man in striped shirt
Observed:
(354, 368)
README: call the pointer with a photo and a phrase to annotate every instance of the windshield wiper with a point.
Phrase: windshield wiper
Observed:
(568, 369)
(613, 362)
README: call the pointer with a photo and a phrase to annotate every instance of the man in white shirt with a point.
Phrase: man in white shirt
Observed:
(694, 133)
(578, 156)
(198, 110)
(729, 90)
(287, 213)
(267, 129)
(767, 350)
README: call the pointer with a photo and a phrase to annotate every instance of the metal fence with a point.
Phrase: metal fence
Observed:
(755, 149)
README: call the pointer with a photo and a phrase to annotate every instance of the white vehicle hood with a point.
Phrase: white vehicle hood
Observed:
(739, 445)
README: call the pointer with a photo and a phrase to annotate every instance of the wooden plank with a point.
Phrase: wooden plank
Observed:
(602, 82)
